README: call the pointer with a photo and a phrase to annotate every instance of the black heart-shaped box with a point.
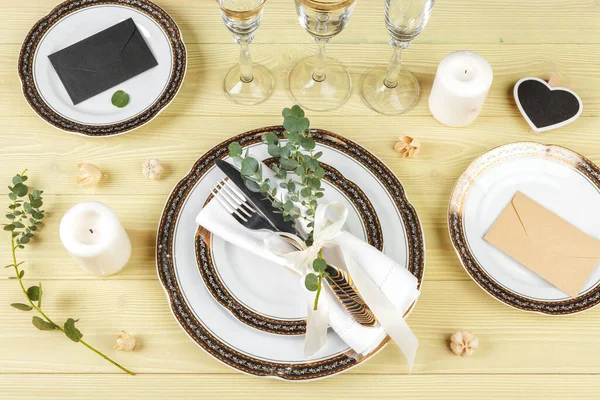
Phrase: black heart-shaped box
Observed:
(545, 107)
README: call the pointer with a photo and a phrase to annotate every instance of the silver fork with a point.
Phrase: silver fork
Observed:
(339, 280)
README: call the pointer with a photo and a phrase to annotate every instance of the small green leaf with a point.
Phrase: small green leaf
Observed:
(18, 225)
(249, 166)
(20, 190)
(288, 164)
(43, 325)
(302, 124)
(21, 306)
(17, 179)
(318, 155)
(119, 99)
(12, 196)
(297, 111)
(311, 282)
(9, 227)
(271, 138)
(252, 185)
(10, 216)
(305, 192)
(308, 143)
(264, 188)
(318, 195)
(33, 293)
(37, 193)
(71, 331)
(287, 206)
(24, 240)
(235, 149)
(35, 203)
(274, 150)
(287, 112)
(290, 124)
(21, 274)
(277, 204)
(319, 265)
(291, 186)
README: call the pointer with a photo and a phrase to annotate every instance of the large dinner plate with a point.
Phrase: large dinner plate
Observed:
(212, 326)
(74, 20)
(561, 180)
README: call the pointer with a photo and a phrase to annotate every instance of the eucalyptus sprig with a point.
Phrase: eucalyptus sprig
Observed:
(24, 219)
(296, 157)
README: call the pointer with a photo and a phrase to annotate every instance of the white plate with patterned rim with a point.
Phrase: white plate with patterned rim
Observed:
(561, 180)
(212, 326)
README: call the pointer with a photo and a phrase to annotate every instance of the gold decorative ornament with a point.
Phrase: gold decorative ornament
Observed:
(464, 343)
(89, 176)
(408, 147)
(152, 169)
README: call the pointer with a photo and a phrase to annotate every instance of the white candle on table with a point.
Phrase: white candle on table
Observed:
(92, 233)
(461, 85)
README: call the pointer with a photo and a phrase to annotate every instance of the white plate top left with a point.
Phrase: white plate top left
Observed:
(143, 89)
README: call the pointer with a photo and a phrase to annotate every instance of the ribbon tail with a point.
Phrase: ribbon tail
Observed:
(316, 326)
(390, 318)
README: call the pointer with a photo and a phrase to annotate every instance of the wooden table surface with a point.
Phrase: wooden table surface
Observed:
(521, 355)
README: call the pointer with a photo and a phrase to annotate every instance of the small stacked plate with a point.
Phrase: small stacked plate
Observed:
(75, 20)
(248, 313)
(559, 179)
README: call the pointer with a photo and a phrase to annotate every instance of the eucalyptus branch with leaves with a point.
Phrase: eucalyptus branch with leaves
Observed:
(294, 157)
(25, 218)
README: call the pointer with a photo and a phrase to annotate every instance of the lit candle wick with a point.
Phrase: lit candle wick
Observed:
(91, 231)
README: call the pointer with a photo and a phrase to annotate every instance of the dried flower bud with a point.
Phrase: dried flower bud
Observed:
(89, 176)
(464, 343)
(125, 342)
(407, 147)
(152, 169)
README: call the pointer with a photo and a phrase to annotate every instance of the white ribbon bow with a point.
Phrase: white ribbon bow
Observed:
(328, 223)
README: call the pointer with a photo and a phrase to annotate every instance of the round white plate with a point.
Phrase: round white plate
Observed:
(259, 293)
(562, 181)
(74, 21)
(212, 326)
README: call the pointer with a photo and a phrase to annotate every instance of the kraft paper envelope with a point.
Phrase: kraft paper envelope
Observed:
(545, 243)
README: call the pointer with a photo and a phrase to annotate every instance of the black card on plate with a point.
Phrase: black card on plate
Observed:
(102, 61)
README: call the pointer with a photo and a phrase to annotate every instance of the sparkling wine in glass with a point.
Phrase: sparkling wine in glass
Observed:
(321, 83)
(394, 90)
(245, 83)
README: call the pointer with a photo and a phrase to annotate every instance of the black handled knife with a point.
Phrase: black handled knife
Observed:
(262, 203)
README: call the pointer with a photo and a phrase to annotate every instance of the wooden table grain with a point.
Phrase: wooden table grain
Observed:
(521, 355)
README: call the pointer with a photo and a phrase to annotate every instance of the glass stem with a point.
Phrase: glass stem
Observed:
(320, 61)
(245, 62)
(393, 69)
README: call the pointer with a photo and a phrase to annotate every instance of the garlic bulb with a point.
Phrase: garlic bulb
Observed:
(408, 147)
(89, 176)
(464, 343)
(152, 169)
(125, 342)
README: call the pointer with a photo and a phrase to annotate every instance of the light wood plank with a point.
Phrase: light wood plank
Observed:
(202, 92)
(457, 387)
(456, 21)
(511, 341)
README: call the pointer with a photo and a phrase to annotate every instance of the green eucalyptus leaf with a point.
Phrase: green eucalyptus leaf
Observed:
(71, 331)
(252, 185)
(33, 293)
(35, 203)
(311, 282)
(21, 274)
(9, 227)
(235, 149)
(297, 111)
(249, 166)
(10, 216)
(305, 192)
(318, 155)
(18, 224)
(319, 265)
(288, 164)
(43, 325)
(119, 99)
(274, 150)
(277, 204)
(291, 186)
(271, 138)
(264, 188)
(302, 124)
(318, 195)
(20, 189)
(21, 306)
(308, 143)
(12, 196)
(290, 124)
(287, 112)
(17, 179)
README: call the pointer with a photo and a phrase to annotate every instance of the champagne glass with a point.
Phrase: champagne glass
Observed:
(394, 90)
(246, 83)
(321, 83)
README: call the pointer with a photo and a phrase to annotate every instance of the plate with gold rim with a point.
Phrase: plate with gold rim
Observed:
(562, 181)
(270, 298)
(213, 327)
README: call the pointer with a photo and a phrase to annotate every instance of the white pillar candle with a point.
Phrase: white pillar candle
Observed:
(461, 85)
(92, 233)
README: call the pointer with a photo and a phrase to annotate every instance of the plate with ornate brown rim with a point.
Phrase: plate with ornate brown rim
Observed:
(561, 180)
(74, 20)
(262, 295)
(212, 326)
